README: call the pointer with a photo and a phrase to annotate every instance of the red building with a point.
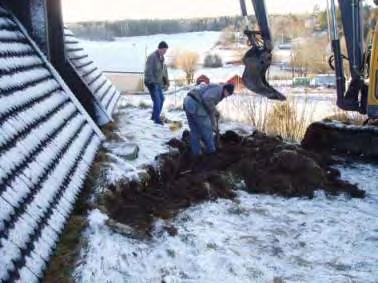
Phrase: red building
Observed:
(237, 81)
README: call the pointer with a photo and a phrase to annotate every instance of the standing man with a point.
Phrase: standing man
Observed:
(200, 108)
(156, 79)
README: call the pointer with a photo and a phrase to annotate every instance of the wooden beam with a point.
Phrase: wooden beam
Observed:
(32, 15)
(55, 33)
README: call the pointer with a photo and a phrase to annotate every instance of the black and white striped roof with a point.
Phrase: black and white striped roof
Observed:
(100, 86)
(47, 145)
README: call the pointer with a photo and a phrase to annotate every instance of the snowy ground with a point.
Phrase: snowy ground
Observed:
(136, 127)
(255, 238)
(252, 239)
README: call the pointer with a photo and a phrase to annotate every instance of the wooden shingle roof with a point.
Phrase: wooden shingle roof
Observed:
(47, 145)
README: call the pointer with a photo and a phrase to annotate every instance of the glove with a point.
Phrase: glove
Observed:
(165, 81)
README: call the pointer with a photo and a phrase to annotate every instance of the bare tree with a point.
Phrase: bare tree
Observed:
(286, 28)
(188, 62)
(298, 60)
(311, 56)
(227, 37)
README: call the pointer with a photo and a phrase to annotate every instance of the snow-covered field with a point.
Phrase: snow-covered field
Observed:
(317, 104)
(252, 239)
(128, 54)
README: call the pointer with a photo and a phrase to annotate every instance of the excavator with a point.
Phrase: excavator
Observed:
(359, 94)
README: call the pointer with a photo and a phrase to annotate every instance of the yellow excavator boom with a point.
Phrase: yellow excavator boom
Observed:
(373, 77)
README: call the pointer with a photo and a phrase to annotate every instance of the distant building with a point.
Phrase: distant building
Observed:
(311, 23)
(323, 80)
(285, 46)
(237, 81)
(301, 82)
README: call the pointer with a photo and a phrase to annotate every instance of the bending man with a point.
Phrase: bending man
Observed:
(200, 108)
(156, 79)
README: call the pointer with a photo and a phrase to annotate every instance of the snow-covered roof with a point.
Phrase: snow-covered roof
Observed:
(47, 145)
(100, 86)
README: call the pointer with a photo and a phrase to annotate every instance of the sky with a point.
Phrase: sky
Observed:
(84, 10)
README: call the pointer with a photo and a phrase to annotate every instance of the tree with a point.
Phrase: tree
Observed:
(188, 62)
(286, 28)
(323, 19)
(228, 36)
(316, 10)
(311, 56)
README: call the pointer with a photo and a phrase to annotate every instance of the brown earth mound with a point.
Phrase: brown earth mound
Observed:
(342, 138)
(265, 165)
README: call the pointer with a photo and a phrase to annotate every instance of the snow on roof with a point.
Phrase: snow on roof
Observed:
(47, 145)
(100, 86)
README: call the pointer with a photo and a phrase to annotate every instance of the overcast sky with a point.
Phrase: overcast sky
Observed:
(84, 10)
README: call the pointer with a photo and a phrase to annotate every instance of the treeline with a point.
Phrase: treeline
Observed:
(284, 27)
(110, 30)
(369, 15)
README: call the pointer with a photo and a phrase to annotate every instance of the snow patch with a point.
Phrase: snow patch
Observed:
(96, 218)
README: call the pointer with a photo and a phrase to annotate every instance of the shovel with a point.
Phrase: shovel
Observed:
(217, 134)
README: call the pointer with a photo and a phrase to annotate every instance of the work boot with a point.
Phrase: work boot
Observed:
(160, 122)
(210, 154)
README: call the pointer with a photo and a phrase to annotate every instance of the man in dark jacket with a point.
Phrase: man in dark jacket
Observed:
(156, 79)
(200, 108)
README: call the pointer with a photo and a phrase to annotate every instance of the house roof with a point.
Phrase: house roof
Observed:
(47, 145)
(100, 86)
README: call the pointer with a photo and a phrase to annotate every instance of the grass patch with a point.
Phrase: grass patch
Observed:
(108, 129)
(111, 131)
(144, 105)
(62, 264)
(288, 119)
(257, 113)
(350, 118)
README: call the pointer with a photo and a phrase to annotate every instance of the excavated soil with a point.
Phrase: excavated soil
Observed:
(342, 138)
(257, 163)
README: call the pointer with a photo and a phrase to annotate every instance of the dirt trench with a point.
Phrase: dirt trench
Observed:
(257, 163)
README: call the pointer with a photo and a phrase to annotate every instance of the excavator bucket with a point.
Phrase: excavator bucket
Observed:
(256, 63)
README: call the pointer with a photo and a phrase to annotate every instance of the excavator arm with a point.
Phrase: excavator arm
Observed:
(259, 57)
(352, 96)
